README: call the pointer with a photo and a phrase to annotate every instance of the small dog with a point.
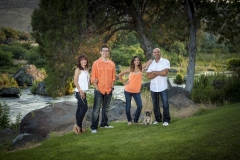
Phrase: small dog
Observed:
(147, 118)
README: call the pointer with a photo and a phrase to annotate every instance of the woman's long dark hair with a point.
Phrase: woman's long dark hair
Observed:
(132, 66)
(79, 61)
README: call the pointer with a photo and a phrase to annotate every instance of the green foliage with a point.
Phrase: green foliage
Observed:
(178, 79)
(4, 116)
(9, 32)
(16, 49)
(233, 64)
(216, 88)
(7, 82)
(34, 57)
(178, 48)
(16, 125)
(90, 99)
(5, 58)
(123, 54)
(70, 88)
(27, 45)
(2, 36)
(24, 36)
(177, 60)
(34, 87)
(58, 27)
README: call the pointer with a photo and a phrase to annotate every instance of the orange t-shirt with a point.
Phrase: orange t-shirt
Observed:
(105, 73)
(135, 82)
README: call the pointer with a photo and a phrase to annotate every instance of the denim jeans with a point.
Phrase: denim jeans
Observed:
(156, 106)
(138, 100)
(81, 109)
(104, 101)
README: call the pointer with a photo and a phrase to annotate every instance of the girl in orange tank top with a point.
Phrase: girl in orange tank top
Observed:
(133, 86)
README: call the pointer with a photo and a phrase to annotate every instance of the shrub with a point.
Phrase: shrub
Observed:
(16, 125)
(9, 32)
(4, 115)
(178, 79)
(6, 81)
(204, 91)
(70, 88)
(5, 58)
(34, 87)
(16, 49)
(233, 64)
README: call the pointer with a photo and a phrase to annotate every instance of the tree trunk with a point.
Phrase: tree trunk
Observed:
(192, 44)
(138, 23)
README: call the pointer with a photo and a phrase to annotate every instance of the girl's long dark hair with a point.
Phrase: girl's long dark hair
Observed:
(79, 61)
(132, 66)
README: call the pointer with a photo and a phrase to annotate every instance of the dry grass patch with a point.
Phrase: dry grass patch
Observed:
(174, 112)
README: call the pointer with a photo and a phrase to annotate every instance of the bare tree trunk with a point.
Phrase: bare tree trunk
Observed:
(146, 44)
(194, 24)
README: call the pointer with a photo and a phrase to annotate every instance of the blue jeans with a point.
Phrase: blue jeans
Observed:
(104, 101)
(81, 109)
(156, 106)
(138, 100)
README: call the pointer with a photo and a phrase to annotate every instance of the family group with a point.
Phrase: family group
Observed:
(103, 76)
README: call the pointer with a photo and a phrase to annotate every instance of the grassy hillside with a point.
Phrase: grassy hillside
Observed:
(17, 13)
(213, 134)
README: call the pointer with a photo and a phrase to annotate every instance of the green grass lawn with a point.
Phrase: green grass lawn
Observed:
(215, 134)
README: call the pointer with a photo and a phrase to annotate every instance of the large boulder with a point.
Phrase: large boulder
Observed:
(55, 117)
(180, 101)
(178, 90)
(41, 88)
(27, 75)
(60, 117)
(13, 91)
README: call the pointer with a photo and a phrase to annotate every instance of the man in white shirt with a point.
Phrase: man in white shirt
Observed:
(157, 72)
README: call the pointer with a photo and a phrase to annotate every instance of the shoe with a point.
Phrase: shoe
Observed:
(165, 124)
(94, 131)
(129, 123)
(107, 127)
(155, 122)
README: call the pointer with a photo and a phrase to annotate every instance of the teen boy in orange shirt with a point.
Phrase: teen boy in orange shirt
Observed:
(103, 78)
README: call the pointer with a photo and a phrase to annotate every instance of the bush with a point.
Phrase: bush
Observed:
(9, 32)
(205, 91)
(16, 49)
(178, 79)
(6, 81)
(233, 64)
(5, 58)
(4, 116)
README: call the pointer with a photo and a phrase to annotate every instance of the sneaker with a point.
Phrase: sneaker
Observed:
(165, 124)
(107, 127)
(94, 131)
(129, 123)
(155, 122)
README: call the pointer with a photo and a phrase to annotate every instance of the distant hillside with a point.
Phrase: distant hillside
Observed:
(17, 13)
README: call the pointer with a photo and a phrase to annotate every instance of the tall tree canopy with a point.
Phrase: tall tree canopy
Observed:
(58, 27)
